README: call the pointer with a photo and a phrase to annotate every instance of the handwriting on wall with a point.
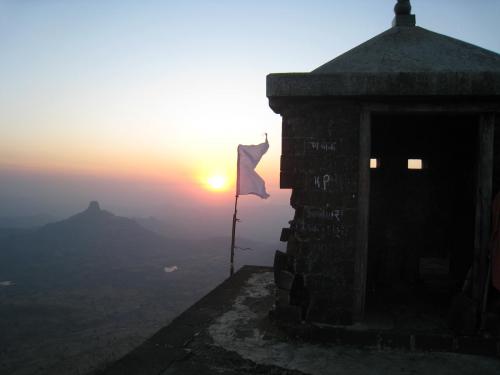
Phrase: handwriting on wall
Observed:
(321, 182)
(320, 222)
(324, 213)
(321, 146)
(318, 231)
(332, 182)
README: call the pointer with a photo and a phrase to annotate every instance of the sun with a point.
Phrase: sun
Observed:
(217, 182)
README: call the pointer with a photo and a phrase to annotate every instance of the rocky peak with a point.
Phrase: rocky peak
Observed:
(94, 207)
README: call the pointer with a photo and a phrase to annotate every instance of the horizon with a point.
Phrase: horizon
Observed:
(137, 104)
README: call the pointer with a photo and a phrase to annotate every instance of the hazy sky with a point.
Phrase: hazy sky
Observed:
(136, 103)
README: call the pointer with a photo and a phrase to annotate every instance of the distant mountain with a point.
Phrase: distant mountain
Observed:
(100, 244)
(91, 243)
(24, 222)
(88, 288)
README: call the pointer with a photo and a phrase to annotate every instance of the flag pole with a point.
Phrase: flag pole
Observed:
(235, 219)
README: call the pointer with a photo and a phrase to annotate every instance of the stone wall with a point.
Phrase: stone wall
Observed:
(320, 152)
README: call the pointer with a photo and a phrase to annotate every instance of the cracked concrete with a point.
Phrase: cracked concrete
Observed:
(228, 332)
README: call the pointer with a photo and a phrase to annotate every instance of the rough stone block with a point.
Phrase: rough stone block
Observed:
(300, 197)
(287, 180)
(280, 264)
(300, 265)
(282, 297)
(299, 295)
(292, 146)
(328, 272)
(292, 248)
(324, 310)
(284, 279)
(285, 234)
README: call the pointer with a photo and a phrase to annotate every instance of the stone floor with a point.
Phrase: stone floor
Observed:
(229, 332)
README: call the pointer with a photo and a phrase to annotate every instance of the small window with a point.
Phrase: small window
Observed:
(415, 164)
(374, 163)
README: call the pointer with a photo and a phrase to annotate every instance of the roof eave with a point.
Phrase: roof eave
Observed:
(347, 84)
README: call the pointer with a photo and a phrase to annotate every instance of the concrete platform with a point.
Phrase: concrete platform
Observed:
(229, 332)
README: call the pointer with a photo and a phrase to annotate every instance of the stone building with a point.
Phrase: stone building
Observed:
(389, 150)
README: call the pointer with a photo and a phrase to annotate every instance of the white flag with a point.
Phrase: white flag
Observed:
(249, 182)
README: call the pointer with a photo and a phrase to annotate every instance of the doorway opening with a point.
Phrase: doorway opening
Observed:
(422, 216)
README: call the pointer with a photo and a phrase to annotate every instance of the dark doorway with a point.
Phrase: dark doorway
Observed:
(422, 212)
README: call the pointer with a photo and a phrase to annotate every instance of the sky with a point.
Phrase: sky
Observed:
(138, 103)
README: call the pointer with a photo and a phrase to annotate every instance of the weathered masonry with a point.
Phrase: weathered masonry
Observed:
(389, 150)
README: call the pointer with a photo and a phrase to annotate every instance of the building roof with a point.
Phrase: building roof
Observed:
(405, 60)
(413, 49)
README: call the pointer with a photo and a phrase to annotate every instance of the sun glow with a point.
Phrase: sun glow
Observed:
(217, 182)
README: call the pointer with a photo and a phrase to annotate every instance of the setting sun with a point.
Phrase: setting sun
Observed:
(217, 182)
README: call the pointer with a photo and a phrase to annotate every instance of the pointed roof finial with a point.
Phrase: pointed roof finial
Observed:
(402, 7)
(403, 14)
